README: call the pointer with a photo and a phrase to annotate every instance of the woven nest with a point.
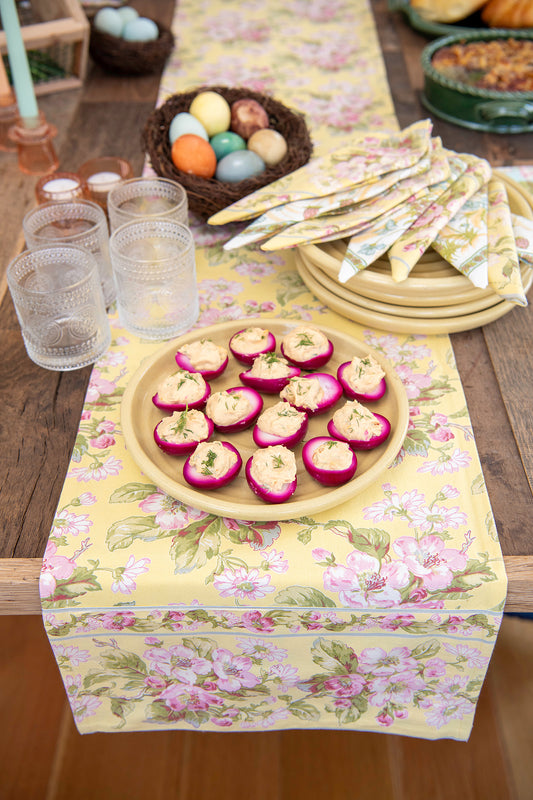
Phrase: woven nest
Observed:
(207, 195)
(130, 58)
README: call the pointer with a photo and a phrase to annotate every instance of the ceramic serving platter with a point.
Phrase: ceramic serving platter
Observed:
(432, 283)
(398, 324)
(485, 300)
(139, 417)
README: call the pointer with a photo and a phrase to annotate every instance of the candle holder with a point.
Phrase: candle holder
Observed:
(33, 138)
(99, 175)
(59, 186)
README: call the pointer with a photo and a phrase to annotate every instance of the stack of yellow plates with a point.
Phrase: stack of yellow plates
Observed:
(435, 298)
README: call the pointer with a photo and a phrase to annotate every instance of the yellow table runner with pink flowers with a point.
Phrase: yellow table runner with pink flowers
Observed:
(378, 615)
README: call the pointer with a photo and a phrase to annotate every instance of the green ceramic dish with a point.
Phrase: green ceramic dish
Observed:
(473, 22)
(479, 109)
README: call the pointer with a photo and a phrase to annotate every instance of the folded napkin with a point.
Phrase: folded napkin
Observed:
(503, 265)
(523, 236)
(328, 226)
(463, 242)
(408, 248)
(367, 158)
(366, 246)
(278, 218)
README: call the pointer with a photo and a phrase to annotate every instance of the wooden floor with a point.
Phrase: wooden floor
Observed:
(42, 757)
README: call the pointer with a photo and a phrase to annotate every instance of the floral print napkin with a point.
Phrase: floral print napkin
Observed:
(502, 261)
(410, 246)
(281, 217)
(367, 158)
(463, 242)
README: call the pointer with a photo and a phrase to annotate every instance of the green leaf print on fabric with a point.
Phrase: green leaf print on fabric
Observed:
(304, 596)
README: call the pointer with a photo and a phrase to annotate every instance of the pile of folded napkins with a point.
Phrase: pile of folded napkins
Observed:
(394, 194)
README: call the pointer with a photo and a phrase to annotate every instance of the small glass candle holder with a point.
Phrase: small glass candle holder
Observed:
(9, 114)
(33, 137)
(99, 175)
(59, 186)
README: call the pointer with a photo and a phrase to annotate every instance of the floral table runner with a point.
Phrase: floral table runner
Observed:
(379, 615)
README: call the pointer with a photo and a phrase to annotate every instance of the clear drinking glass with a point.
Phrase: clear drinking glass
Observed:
(78, 222)
(155, 275)
(60, 306)
(147, 198)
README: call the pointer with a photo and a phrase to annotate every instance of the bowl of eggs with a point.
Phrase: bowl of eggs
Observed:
(223, 143)
(123, 41)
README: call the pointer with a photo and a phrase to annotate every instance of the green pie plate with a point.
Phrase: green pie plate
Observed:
(467, 106)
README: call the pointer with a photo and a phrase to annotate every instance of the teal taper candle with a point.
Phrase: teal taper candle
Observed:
(18, 61)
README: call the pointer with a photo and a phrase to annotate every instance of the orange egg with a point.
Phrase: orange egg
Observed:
(194, 155)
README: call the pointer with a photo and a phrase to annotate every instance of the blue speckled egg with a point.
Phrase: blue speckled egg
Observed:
(226, 142)
(141, 29)
(238, 166)
(108, 20)
(186, 123)
(127, 13)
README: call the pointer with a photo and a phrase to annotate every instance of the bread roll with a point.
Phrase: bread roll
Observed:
(446, 11)
(508, 14)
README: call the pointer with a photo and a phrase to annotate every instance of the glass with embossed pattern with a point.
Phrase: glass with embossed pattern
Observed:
(60, 306)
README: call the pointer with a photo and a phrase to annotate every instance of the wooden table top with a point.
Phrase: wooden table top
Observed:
(40, 410)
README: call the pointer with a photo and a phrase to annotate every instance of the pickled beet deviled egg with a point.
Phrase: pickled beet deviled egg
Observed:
(248, 344)
(329, 461)
(313, 393)
(181, 390)
(203, 356)
(234, 409)
(271, 473)
(280, 424)
(212, 465)
(269, 373)
(307, 347)
(362, 379)
(180, 433)
(361, 428)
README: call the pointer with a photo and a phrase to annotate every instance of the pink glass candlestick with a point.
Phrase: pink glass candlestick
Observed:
(33, 138)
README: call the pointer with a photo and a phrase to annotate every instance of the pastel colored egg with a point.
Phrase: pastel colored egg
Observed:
(108, 20)
(212, 110)
(239, 165)
(194, 155)
(127, 13)
(185, 123)
(226, 142)
(140, 29)
(269, 144)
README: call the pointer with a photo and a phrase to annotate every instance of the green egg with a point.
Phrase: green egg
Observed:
(226, 142)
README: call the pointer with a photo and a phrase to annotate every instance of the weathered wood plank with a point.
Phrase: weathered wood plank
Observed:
(19, 585)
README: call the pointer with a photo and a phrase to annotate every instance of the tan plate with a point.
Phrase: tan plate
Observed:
(420, 288)
(139, 417)
(425, 312)
(396, 324)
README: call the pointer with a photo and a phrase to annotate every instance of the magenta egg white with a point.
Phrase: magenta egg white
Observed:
(268, 495)
(181, 448)
(268, 385)
(374, 394)
(256, 406)
(201, 481)
(363, 444)
(182, 406)
(332, 392)
(264, 439)
(184, 362)
(248, 358)
(327, 477)
(310, 363)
